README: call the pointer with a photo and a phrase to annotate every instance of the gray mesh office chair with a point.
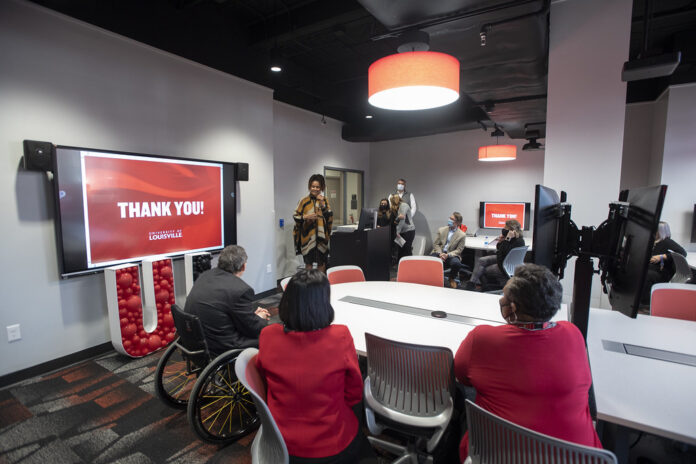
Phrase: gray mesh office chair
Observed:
(408, 389)
(268, 446)
(682, 271)
(493, 439)
(514, 259)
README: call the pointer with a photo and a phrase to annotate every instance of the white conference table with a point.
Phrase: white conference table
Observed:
(646, 394)
(469, 308)
(483, 242)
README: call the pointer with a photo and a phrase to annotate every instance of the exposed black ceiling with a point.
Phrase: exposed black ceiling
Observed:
(327, 46)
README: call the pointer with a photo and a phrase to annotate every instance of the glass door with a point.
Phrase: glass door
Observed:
(344, 190)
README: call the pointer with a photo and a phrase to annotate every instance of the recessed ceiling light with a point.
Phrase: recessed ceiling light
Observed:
(368, 116)
(276, 68)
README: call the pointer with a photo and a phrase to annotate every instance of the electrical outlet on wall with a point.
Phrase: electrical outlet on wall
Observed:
(13, 333)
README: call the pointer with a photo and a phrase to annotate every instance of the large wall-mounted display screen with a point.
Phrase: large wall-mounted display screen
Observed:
(120, 207)
(492, 215)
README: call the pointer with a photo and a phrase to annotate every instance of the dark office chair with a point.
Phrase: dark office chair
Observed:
(408, 389)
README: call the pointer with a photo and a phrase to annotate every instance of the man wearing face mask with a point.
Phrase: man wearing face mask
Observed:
(406, 196)
(448, 246)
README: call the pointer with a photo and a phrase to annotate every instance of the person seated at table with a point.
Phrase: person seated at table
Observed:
(224, 304)
(489, 269)
(661, 266)
(448, 245)
(530, 371)
(312, 375)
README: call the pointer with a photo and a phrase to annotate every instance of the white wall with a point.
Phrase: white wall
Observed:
(303, 146)
(637, 145)
(69, 83)
(445, 175)
(679, 163)
(586, 108)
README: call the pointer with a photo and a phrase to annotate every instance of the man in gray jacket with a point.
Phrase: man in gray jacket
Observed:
(448, 246)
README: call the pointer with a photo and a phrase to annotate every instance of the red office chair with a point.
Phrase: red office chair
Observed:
(345, 274)
(426, 270)
(677, 301)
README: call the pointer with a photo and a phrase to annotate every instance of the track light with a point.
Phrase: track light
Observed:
(497, 132)
(532, 144)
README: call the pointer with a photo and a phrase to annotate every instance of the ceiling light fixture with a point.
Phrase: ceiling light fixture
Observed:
(276, 68)
(368, 116)
(497, 152)
(414, 78)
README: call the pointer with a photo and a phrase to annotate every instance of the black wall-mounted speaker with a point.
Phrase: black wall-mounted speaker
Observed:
(38, 156)
(242, 171)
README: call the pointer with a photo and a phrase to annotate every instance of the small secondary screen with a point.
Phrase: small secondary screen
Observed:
(493, 215)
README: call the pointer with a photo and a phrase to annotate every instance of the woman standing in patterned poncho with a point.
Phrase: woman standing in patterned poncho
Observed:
(313, 220)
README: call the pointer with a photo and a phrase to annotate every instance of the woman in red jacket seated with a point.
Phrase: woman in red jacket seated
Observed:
(311, 370)
(530, 371)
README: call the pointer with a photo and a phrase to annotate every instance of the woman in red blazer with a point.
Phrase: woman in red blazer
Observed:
(530, 371)
(311, 370)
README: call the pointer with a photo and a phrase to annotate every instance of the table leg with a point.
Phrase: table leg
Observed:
(614, 437)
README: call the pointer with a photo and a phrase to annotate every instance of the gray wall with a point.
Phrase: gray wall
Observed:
(679, 163)
(303, 146)
(637, 145)
(445, 175)
(72, 84)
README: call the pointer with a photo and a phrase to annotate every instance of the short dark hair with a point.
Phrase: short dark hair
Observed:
(457, 217)
(306, 302)
(535, 291)
(232, 258)
(401, 180)
(319, 178)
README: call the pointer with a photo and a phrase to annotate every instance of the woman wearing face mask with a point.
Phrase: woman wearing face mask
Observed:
(507, 364)
(489, 269)
(661, 267)
(404, 225)
(313, 220)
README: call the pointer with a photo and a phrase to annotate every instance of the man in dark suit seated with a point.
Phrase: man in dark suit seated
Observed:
(223, 303)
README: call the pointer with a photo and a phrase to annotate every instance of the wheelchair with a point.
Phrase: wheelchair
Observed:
(219, 409)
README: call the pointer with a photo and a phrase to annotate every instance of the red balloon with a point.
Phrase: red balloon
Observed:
(133, 303)
(129, 330)
(142, 334)
(162, 296)
(135, 340)
(154, 342)
(167, 320)
(166, 272)
(123, 312)
(128, 291)
(127, 344)
(170, 336)
(125, 280)
(124, 321)
(143, 341)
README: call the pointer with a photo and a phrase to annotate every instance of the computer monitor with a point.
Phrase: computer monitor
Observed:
(632, 246)
(368, 218)
(554, 238)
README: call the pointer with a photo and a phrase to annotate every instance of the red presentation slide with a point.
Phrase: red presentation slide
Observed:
(136, 207)
(495, 214)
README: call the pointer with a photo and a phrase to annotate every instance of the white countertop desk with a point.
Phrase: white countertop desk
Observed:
(482, 242)
(691, 259)
(633, 391)
(639, 392)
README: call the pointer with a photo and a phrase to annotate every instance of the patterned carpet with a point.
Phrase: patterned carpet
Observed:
(101, 411)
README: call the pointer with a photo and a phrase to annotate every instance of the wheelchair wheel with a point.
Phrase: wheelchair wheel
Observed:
(173, 384)
(221, 410)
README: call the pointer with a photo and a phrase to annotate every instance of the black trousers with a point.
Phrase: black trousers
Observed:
(454, 263)
(407, 249)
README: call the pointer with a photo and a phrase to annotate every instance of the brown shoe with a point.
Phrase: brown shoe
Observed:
(453, 283)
